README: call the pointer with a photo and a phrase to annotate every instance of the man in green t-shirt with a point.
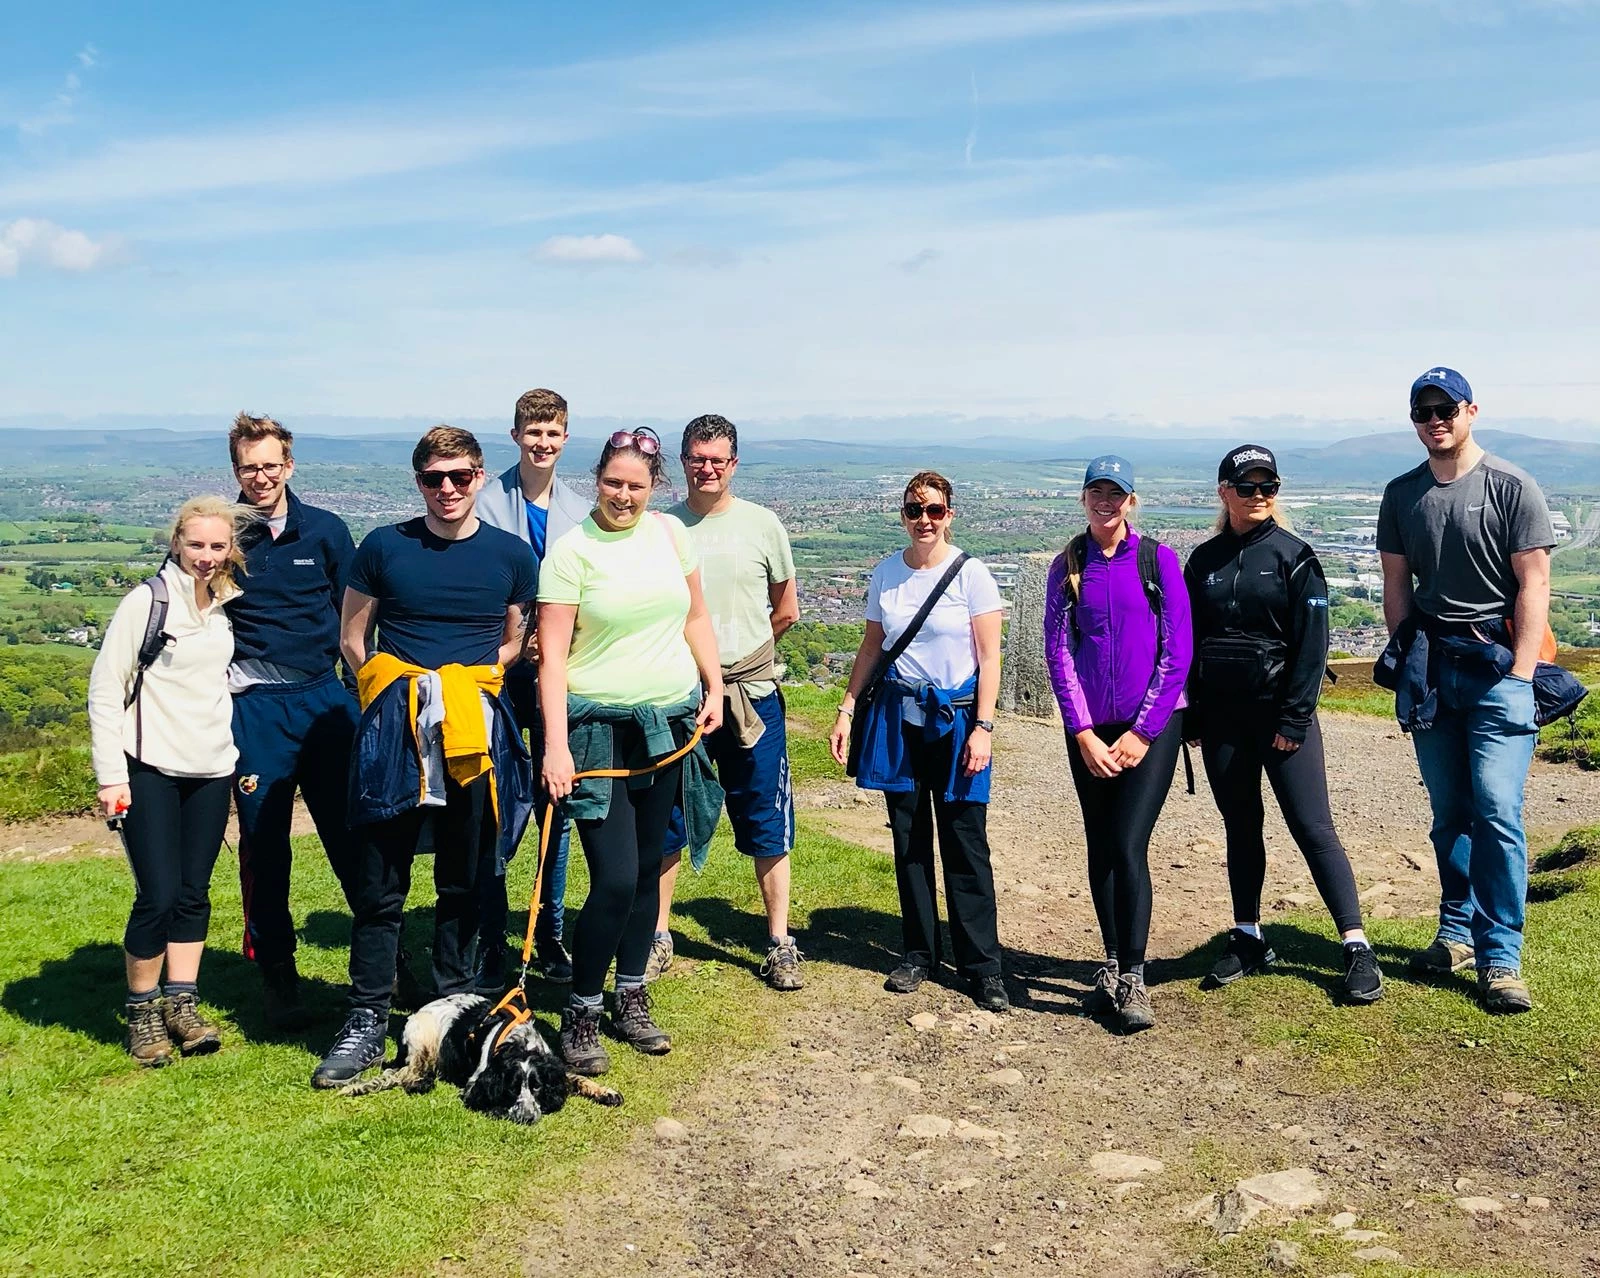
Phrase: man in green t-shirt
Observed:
(747, 572)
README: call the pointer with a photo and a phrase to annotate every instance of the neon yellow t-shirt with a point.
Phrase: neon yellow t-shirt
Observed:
(632, 595)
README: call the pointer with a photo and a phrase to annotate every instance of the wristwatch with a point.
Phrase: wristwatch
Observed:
(986, 724)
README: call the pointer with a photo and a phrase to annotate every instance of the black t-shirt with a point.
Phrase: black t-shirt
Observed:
(441, 601)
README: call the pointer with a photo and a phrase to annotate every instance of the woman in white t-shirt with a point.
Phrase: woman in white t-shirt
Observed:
(925, 737)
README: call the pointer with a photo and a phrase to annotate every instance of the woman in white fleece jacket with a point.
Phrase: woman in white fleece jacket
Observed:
(164, 760)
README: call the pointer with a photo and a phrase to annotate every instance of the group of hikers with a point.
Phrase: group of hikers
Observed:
(652, 659)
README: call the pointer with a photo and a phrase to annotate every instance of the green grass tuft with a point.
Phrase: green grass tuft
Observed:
(43, 782)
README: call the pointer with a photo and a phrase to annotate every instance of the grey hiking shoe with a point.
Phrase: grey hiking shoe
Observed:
(1503, 991)
(581, 1047)
(906, 979)
(660, 958)
(148, 1042)
(194, 1035)
(1102, 999)
(632, 1023)
(782, 968)
(1441, 958)
(1134, 1012)
(357, 1049)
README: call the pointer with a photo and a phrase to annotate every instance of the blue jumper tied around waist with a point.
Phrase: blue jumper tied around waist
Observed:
(885, 764)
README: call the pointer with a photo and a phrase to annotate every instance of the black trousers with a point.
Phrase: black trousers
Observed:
(1119, 814)
(963, 847)
(173, 831)
(1235, 758)
(623, 851)
(463, 835)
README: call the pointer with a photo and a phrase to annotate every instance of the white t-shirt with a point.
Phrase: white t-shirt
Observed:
(943, 652)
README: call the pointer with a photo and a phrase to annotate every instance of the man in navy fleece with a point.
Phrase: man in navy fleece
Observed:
(293, 720)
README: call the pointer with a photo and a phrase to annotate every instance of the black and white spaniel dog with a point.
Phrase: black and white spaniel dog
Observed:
(504, 1068)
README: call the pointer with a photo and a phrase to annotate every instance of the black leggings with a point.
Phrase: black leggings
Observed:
(173, 831)
(1119, 814)
(1234, 763)
(623, 851)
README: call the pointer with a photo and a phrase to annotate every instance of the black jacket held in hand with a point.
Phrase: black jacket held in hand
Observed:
(1260, 609)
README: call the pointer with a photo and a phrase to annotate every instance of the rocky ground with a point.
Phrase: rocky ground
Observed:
(910, 1136)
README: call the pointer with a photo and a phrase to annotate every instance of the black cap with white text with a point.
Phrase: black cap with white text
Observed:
(1243, 459)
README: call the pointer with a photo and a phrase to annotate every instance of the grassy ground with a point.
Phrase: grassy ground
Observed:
(45, 781)
(231, 1164)
(1423, 1035)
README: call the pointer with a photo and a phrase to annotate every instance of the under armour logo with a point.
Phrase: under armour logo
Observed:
(1438, 372)
(1114, 466)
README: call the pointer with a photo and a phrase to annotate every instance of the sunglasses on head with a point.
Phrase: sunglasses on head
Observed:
(644, 439)
(1267, 488)
(1423, 413)
(457, 478)
(933, 510)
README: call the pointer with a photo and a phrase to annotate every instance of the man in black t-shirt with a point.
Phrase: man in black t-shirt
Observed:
(450, 599)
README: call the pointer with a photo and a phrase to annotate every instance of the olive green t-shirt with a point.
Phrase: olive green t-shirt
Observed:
(743, 550)
(632, 595)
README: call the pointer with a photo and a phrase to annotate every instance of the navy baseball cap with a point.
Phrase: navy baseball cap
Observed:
(1114, 469)
(1245, 458)
(1445, 379)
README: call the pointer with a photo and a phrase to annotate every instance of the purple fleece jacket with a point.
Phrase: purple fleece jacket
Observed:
(1108, 674)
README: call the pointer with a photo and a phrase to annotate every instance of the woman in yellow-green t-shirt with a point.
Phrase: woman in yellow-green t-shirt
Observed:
(628, 668)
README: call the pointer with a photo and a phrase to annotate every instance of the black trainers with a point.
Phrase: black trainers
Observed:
(1363, 982)
(631, 1022)
(490, 977)
(553, 962)
(581, 1047)
(1245, 955)
(357, 1049)
(280, 996)
(1134, 1012)
(989, 993)
(1102, 999)
(906, 979)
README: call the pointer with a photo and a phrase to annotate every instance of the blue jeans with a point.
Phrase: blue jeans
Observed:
(1474, 761)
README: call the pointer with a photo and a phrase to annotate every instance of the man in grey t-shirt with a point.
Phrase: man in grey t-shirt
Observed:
(1465, 542)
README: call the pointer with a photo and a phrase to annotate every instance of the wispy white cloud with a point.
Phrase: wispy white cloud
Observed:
(590, 250)
(62, 108)
(30, 241)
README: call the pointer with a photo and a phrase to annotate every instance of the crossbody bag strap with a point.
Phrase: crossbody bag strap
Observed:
(892, 654)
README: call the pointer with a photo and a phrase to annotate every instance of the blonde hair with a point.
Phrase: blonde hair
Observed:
(238, 518)
(1273, 510)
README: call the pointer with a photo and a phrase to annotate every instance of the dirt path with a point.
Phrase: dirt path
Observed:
(868, 1146)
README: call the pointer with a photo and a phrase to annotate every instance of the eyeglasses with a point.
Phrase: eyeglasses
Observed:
(1267, 488)
(718, 464)
(933, 510)
(457, 478)
(272, 470)
(1424, 413)
(644, 439)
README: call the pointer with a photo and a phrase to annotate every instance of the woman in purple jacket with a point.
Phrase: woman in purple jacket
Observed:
(1117, 644)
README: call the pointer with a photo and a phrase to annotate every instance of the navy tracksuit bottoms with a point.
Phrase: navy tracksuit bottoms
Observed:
(289, 735)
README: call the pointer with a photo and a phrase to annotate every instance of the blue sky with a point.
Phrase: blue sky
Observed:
(1166, 211)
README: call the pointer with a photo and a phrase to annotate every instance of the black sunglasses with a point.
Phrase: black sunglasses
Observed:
(436, 478)
(1424, 413)
(1267, 488)
(933, 510)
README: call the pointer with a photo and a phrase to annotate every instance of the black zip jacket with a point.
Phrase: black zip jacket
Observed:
(1267, 588)
(293, 588)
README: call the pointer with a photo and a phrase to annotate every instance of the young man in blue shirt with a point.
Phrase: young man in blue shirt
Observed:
(527, 499)
(293, 720)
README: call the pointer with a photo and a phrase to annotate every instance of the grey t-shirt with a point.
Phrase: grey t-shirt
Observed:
(1458, 538)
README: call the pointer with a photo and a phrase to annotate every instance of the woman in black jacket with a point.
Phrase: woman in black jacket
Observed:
(1260, 606)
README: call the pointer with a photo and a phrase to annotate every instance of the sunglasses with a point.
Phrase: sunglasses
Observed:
(1424, 413)
(644, 439)
(1267, 488)
(457, 478)
(933, 510)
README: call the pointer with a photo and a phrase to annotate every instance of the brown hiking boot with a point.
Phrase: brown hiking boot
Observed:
(194, 1035)
(147, 1035)
(1503, 991)
(632, 1023)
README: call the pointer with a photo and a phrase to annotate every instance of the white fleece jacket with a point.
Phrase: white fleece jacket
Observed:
(185, 706)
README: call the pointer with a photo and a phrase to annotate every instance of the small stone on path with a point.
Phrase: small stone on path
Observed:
(1372, 1254)
(1282, 1256)
(1293, 1132)
(1114, 1165)
(1292, 901)
(1383, 910)
(957, 1186)
(1119, 1192)
(818, 1054)
(670, 1131)
(1512, 1099)
(922, 1022)
(1363, 1235)
(1535, 1203)
(1477, 1206)
(904, 1084)
(1234, 1212)
(865, 1187)
(925, 1126)
(971, 1131)
(1296, 1189)
(1344, 1220)
(1005, 1077)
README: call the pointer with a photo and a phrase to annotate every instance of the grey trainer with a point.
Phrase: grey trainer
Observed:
(782, 968)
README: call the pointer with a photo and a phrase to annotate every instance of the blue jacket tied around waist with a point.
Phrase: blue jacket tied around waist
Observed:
(945, 712)
(386, 775)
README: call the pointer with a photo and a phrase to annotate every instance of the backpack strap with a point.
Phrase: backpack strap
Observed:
(1072, 561)
(151, 646)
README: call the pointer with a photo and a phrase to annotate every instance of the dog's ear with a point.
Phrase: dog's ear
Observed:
(547, 1079)
(496, 1087)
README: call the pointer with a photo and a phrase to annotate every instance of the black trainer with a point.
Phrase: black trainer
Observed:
(1245, 955)
(357, 1049)
(632, 1023)
(553, 962)
(906, 979)
(280, 996)
(490, 978)
(989, 993)
(1363, 982)
(581, 1047)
